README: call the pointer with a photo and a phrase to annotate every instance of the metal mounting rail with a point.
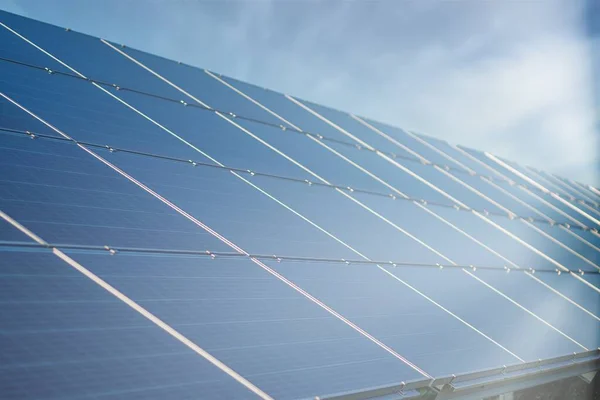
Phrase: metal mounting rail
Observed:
(486, 383)
(393, 196)
(285, 128)
(288, 258)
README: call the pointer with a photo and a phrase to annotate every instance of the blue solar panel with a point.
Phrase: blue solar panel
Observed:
(568, 202)
(585, 189)
(563, 187)
(65, 337)
(509, 194)
(194, 214)
(9, 233)
(458, 192)
(66, 196)
(499, 197)
(251, 321)
(555, 203)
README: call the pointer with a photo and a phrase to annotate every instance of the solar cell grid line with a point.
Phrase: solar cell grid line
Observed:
(97, 209)
(577, 188)
(535, 183)
(196, 99)
(145, 116)
(566, 228)
(588, 249)
(229, 114)
(575, 193)
(534, 201)
(11, 230)
(444, 193)
(271, 257)
(441, 170)
(590, 238)
(332, 150)
(573, 206)
(589, 189)
(548, 207)
(572, 192)
(266, 123)
(401, 145)
(574, 253)
(537, 209)
(320, 137)
(586, 208)
(587, 204)
(417, 141)
(594, 189)
(455, 178)
(425, 142)
(329, 310)
(448, 174)
(283, 258)
(473, 172)
(561, 190)
(348, 188)
(139, 309)
(583, 187)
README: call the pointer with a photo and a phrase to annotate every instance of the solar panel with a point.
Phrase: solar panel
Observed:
(583, 188)
(170, 232)
(560, 205)
(65, 337)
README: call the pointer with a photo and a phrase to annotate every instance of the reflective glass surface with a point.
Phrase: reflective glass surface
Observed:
(63, 337)
(154, 171)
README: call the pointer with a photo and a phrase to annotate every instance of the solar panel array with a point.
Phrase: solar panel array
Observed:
(168, 232)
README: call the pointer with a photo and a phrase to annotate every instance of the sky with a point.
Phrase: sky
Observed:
(515, 78)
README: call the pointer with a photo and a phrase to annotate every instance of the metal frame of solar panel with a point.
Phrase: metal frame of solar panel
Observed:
(168, 232)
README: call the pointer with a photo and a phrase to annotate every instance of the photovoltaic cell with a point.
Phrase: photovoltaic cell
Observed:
(559, 188)
(562, 186)
(66, 196)
(268, 321)
(63, 337)
(566, 197)
(584, 188)
(502, 199)
(223, 224)
(459, 192)
(251, 321)
(554, 202)
(400, 318)
(9, 233)
(255, 129)
(554, 309)
(380, 249)
(508, 195)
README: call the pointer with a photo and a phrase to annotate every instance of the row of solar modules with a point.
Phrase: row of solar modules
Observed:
(291, 329)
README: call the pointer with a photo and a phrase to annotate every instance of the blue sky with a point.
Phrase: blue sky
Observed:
(511, 77)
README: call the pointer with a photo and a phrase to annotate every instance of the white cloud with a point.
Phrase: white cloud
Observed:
(533, 105)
